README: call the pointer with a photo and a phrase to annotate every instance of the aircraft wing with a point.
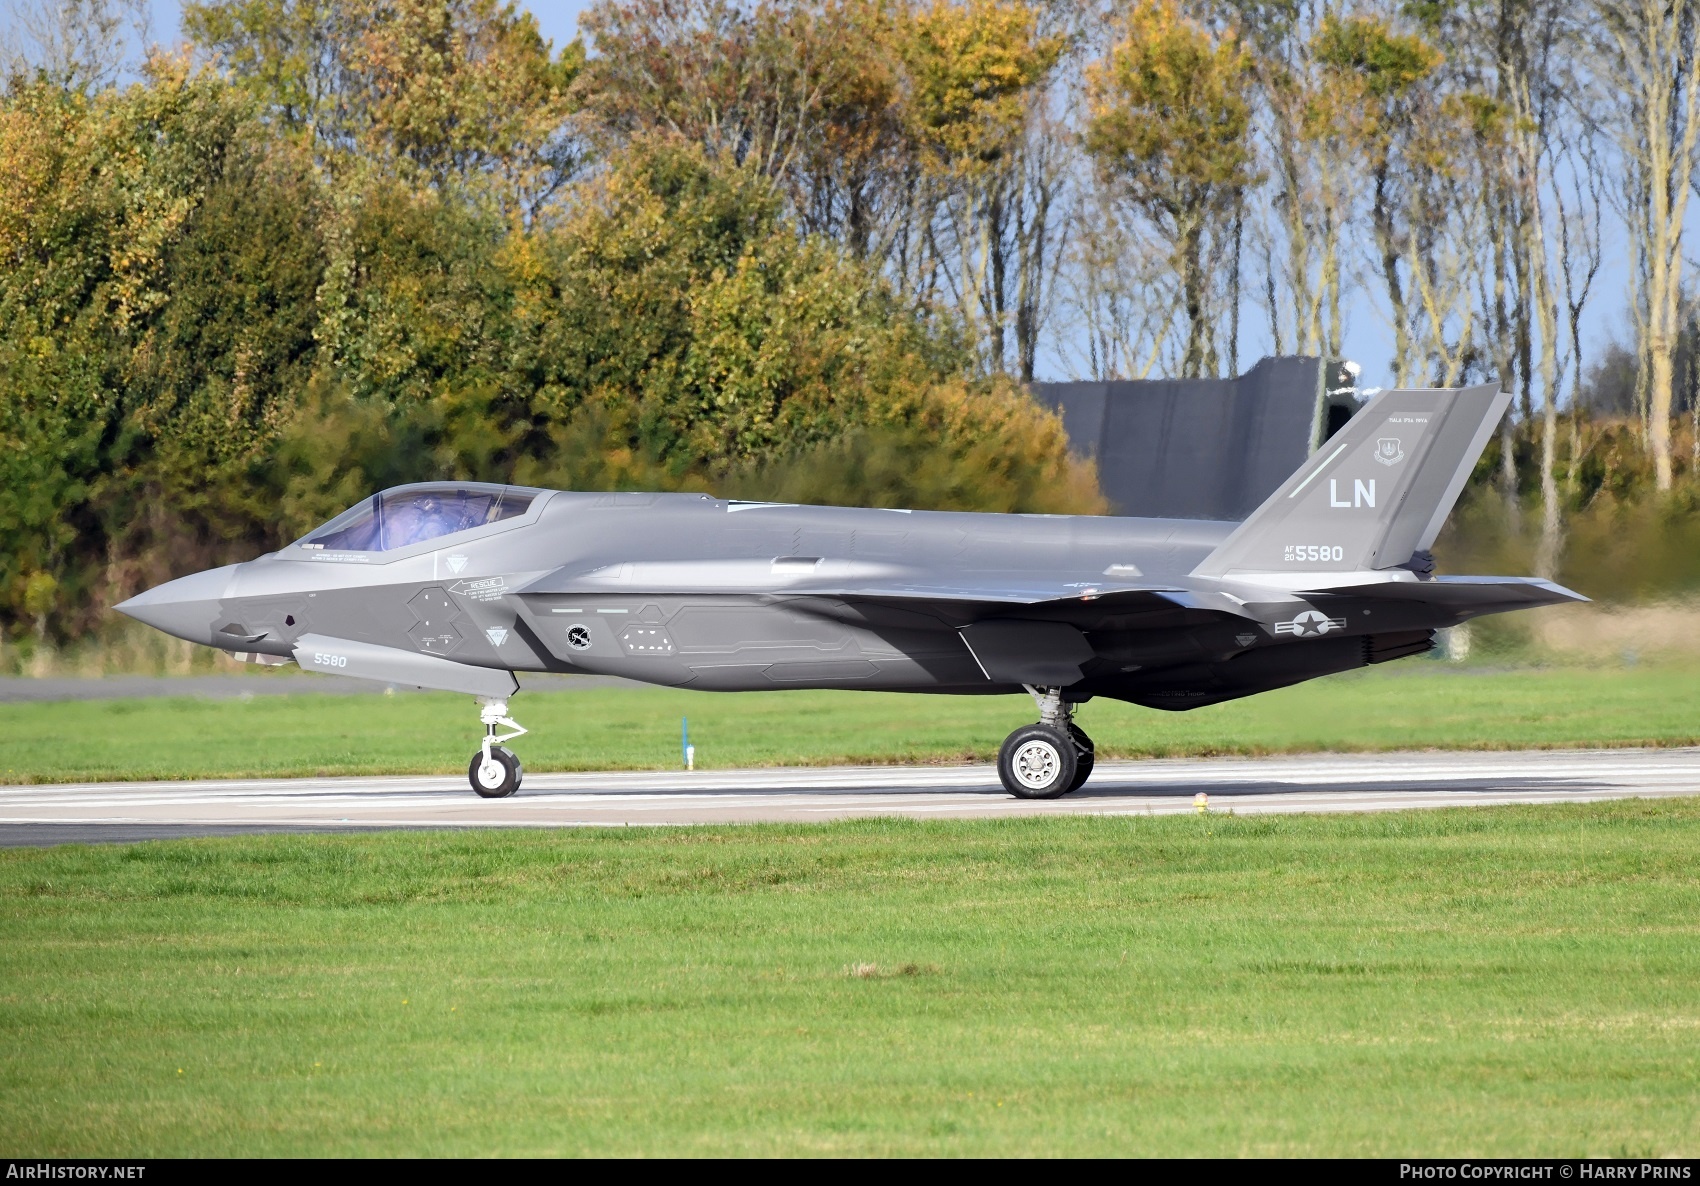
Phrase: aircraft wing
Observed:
(914, 588)
(1012, 591)
(848, 579)
(1010, 620)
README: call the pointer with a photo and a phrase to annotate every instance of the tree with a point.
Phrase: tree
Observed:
(290, 54)
(463, 92)
(1170, 124)
(674, 332)
(805, 93)
(1579, 209)
(468, 90)
(1380, 76)
(1444, 219)
(1309, 126)
(218, 369)
(1645, 58)
(81, 45)
(97, 195)
(1530, 37)
(906, 134)
(1120, 288)
(748, 83)
(975, 84)
(679, 308)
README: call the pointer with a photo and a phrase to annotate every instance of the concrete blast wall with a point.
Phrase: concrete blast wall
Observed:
(1199, 448)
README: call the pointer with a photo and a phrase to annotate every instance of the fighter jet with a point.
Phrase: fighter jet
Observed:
(457, 585)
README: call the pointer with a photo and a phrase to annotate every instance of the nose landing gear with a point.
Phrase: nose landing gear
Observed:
(1050, 759)
(495, 772)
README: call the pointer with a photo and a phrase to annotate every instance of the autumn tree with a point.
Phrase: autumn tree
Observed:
(679, 307)
(974, 85)
(81, 45)
(448, 91)
(1529, 38)
(906, 134)
(290, 54)
(1644, 58)
(674, 331)
(804, 93)
(752, 84)
(1169, 123)
(1380, 74)
(1313, 166)
(156, 306)
(469, 89)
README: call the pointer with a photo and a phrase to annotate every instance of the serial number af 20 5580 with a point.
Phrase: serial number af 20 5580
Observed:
(1318, 553)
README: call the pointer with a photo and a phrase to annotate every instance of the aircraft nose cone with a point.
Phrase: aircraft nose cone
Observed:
(186, 608)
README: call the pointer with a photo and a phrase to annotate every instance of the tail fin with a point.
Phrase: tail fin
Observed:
(1375, 493)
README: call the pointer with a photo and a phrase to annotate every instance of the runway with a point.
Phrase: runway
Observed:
(57, 814)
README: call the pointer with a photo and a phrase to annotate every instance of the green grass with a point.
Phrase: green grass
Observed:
(1417, 706)
(1506, 981)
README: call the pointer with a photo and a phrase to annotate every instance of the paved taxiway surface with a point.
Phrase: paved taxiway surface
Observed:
(52, 814)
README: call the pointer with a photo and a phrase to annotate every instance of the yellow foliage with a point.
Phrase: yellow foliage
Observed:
(972, 67)
(1168, 107)
(457, 88)
(951, 446)
(1170, 127)
(444, 91)
(1372, 74)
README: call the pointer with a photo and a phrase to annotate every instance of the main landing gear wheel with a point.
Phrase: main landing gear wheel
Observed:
(495, 776)
(1085, 755)
(1038, 762)
(495, 773)
(1051, 758)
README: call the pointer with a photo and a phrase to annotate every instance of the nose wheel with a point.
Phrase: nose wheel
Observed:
(495, 772)
(1049, 759)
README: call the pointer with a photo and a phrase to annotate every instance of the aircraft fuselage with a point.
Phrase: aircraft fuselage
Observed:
(687, 590)
(457, 586)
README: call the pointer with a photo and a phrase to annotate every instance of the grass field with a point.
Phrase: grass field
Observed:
(1495, 981)
(1418, 705)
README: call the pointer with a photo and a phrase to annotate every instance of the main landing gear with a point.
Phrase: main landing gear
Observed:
(1049, 759)
(495, 772)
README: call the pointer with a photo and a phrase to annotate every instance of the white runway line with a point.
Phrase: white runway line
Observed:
(1311, 783)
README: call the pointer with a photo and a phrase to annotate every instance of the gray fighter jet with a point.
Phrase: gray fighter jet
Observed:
(457, 585)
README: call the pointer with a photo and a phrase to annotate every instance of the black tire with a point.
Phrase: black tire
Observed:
(1085, 755)
(512, 773)
(1037, 762)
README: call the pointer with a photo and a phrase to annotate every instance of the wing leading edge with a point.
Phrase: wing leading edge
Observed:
(788, 577)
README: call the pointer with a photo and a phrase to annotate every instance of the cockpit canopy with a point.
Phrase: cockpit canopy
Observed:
(409, 515)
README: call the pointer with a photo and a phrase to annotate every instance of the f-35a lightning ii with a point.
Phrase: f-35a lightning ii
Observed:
(457, 585)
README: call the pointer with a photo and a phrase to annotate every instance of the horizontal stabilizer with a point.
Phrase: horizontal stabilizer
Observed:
(1473, 595)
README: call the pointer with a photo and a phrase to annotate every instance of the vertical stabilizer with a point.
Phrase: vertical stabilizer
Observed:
(1376, 492)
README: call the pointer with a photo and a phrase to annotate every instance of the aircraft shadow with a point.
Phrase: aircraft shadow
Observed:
(1369, 786)
(1111, 790)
